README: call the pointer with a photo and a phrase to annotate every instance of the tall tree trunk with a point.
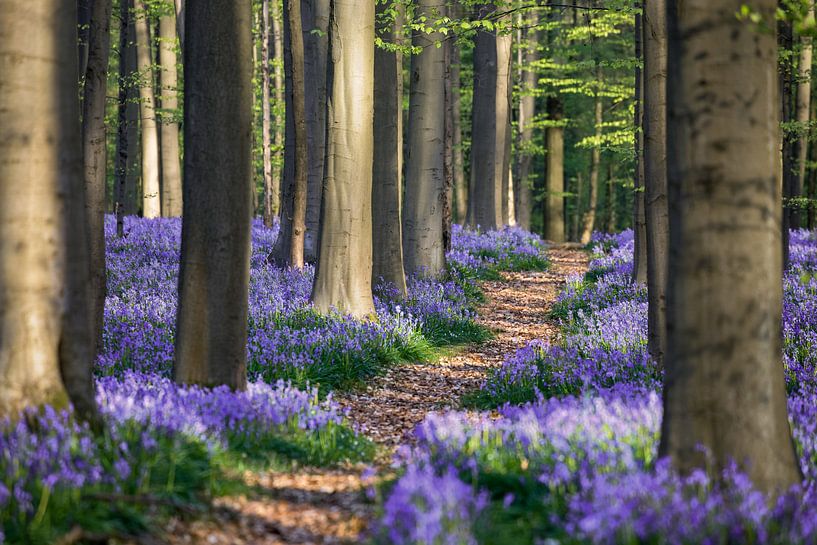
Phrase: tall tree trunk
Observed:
(299, 196)
(639, 218)
(555, 187)
(612, 217)
(811, 191)
(132, 193)
(387, 174)
(83, 35)
(504, 78)
(151, 205)
(211, 340)
(121, 173)
(179, 5)
(46, 347)
(528, 56)
(315, 29)
(343, 275)
(595, 164)
(655, 172)
(266, 111)
(95, 153)
(488, 126)
(802, 114)
(423, 250)
(171, 167)
(278, 134)
(448, 151)
(576, 218)
(724, 388)
(460, 185)
(788, 158)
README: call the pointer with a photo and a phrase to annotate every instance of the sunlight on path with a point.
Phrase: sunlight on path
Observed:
(319, 506)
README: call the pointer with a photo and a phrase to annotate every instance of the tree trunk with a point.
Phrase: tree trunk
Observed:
(724, 388)
(448, 151)
(343, 275)
(595, 164)
(315, 28)
(46, 346)
(612, 217)
(789, 157)
(132, 193)
(529, 55)
(423, 250)
(299, 196)
(505, 110)
(95, 154)
(121, 174)
(555, 188)
(576, 219)
(151, 206)
(802, 114)
(266, 111)
(460, 185)
(488, 127)
(387, 174)
(655, 172)
(171, 168)
(280, 121)
(83, 35)
(639, 219)
(179, 5)
(211, 340)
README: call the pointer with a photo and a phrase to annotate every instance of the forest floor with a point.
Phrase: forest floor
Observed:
(329, 506)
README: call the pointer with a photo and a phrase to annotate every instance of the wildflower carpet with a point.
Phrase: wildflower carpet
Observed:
(307, 505)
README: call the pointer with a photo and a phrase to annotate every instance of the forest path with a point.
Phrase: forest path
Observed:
(323, 506)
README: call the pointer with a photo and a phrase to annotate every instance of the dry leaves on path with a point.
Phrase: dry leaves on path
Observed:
(318, 506)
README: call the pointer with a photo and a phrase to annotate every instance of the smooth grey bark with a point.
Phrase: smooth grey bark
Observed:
(132, 194)
(448, 151)
(639, 218)
(179, 5)
(46, 346)
(487, 200)
(724, 386)
(95, 153)
(315, 15)
(612, 216)
(802, 115)
(120, 174)
(555, 186)
(423, 250)
(655, 172)
(343, 275)
(171, 199)
(387, 173)
(528, 55)
(266, 109)
(151, 199)
(83, 34)
(789, 156)
(300, 143)
(280, 120)
(214, 274)
(460, 183)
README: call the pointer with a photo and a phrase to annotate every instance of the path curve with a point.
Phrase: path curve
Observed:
(322, 506)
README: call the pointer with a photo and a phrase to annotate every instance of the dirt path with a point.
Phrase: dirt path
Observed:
(319, 506)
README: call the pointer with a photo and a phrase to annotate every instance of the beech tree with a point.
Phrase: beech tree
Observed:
(527, 57)
(343, 275)
(46, 343)
(724, 387)
(639, 218)
(171, 197)
(214, 269)
(95, 154)
(387, 174)
(655, 171)
(423, 215)
(151, 205)
(489, 126)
